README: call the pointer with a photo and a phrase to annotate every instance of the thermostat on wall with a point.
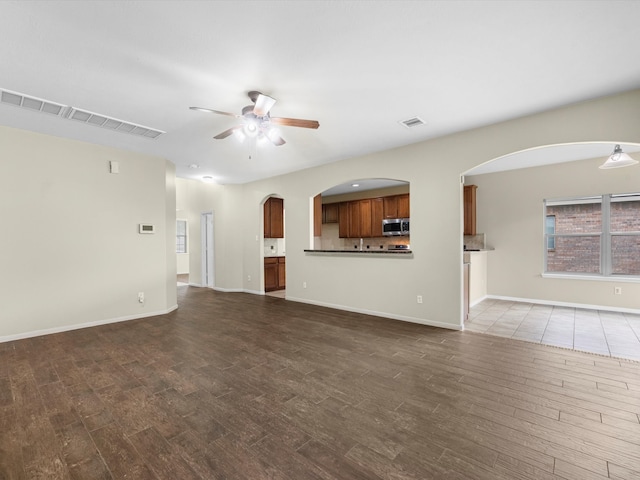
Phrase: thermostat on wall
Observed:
(147, 228)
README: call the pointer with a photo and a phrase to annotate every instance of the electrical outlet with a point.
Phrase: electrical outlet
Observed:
(304, 284)
(419, 299)
(248, 278)
(141, 297)
(617, 290)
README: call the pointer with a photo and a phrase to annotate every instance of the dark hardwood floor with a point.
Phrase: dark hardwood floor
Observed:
(239, 386)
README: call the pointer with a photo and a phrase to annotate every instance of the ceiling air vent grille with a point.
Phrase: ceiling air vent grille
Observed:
(412, 122)
(32, 103)
(16, 99)
(109, 123)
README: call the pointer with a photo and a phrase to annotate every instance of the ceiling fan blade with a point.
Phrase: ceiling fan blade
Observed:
(208, 110)
(227, 132)
(277, 140)
(294, 122)
(264, 103)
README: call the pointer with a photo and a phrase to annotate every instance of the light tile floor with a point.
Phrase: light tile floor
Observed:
(598, 331)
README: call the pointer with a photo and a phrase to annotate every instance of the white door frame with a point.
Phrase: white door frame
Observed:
(207, 250)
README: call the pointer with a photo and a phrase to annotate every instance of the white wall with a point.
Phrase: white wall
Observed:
(70, 251)
(510, 212)
(478, 276)
(182, 263)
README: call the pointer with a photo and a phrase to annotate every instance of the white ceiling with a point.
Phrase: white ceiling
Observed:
(357, 67)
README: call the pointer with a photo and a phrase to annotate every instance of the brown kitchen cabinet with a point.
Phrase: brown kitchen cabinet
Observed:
(282, 273)
(274, 218)
(274, 273)
(330, 212)
(377, 215)
(396, 206)
(343, 220)
(317, 216)
(363, 218)
(360, 218)
(403, 206)
(469, 202)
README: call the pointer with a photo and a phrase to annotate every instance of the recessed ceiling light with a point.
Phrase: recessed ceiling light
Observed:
(355, 185)
(208, 179)
(194, 166)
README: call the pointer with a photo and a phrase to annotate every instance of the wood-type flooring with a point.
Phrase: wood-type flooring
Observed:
(240, 386)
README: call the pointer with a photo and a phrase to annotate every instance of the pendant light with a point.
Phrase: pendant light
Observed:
(618, 159)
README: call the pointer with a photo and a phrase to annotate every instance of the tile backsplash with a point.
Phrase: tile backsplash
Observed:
(274, 247)
(475, 242)
(330, 240)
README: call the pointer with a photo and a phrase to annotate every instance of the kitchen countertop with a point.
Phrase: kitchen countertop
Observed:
(363, 252)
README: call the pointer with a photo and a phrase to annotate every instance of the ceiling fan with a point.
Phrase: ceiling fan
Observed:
(257, 122)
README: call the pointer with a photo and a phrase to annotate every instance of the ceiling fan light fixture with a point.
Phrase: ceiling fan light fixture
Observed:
(251, 129)
(262, 139)
(273, 133)
(239, 134)
(263, 105)
(618, 159)
(257, 121)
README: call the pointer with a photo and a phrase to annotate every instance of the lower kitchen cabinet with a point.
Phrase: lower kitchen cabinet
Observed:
(274, 273)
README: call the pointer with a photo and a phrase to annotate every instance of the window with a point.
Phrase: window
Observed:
(181, 236)
(550, 229)
(593, 235)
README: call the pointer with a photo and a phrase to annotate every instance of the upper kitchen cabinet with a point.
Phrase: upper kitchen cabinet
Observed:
(360, 218)
(356, 209)
(469, 201)
(396, 206)
(330, 212)
(317, 216)
(377, 215)
(274, 218)
(343, 219)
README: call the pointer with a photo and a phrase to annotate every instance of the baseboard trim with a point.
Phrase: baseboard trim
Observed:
(473, 304)
(78, 326)
(364, 311)
(566, 304)
(228, 290)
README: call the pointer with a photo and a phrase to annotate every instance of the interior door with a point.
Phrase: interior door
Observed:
(206, 227)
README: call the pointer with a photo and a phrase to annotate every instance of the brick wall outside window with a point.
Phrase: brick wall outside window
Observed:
(576, 254)
(581, 254)
(625, 217)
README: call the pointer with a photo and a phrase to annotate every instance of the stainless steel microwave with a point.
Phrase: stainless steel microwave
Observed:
(395, 226)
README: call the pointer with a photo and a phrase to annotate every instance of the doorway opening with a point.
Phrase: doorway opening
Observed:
(274, 266)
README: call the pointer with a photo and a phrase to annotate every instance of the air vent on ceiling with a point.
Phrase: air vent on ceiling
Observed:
(412, 122)
(16, 99)
(109, 123)
(32, 103)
